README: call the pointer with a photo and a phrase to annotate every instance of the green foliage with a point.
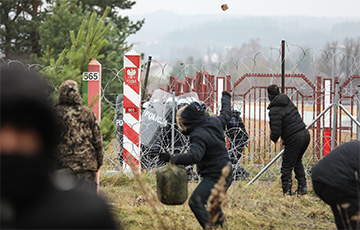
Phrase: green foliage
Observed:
(65, 35)
(39, 28)
(84, 47)
(54, 31)
(19, 28)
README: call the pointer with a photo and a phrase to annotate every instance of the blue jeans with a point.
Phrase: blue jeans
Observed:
(200, 196)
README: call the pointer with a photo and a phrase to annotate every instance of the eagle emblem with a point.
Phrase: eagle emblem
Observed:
(131, 73)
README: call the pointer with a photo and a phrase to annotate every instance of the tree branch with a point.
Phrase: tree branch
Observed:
(26, 10)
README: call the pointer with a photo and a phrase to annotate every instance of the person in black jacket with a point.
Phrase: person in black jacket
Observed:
(31, 198)
(207, 150)
(336, 181)
(285, 122)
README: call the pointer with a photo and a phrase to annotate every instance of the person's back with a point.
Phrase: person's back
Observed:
(336, 181)
(80, 148)
(207, 150)
(285, 122)
(285, 118)
(338, 168)
(215, 157)
(209, 153)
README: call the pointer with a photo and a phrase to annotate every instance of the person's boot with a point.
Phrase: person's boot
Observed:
(302, 189)
(287, 186)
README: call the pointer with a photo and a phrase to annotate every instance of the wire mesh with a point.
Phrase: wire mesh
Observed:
(309, 80)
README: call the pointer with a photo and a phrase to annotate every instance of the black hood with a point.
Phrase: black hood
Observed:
(280, 100)
(192, 116)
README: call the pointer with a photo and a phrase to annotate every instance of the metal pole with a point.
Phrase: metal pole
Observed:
(281, 152)
(334, 118)
(333, 72)
(266, 167)
(320, 115)
(146, 78)
(173, 123)
(349, 115)
(358, 113)
(283, 66)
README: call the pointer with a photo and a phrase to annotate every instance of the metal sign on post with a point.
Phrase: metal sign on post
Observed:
(131, 110)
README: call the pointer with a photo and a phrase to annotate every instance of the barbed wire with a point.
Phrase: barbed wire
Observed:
(306, 72)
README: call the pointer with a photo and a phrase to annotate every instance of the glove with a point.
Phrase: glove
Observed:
(164, 156)
(226, 93)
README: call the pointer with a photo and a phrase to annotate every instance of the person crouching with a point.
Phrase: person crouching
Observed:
(207, 150)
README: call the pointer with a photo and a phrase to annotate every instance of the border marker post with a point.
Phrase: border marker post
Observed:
(131, 111)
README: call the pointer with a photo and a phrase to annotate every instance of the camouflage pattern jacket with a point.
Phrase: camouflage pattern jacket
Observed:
(80, 145)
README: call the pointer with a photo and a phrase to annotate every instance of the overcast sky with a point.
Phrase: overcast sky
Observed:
(317, 8)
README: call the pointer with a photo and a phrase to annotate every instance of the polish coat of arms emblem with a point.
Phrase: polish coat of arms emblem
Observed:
(131, 76)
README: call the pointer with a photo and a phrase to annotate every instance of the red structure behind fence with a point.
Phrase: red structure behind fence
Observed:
(251, 99)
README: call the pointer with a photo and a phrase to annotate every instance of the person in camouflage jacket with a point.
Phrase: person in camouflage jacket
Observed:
(80, 146)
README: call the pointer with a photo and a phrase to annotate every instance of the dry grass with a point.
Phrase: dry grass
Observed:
(217, 199)
(259, 206)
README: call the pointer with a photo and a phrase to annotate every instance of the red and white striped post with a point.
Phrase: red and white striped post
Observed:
(92, 87)
(131, 110)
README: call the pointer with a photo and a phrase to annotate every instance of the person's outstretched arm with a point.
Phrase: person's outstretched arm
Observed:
(225, 112)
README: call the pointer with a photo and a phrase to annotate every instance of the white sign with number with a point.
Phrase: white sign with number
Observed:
(91, 76)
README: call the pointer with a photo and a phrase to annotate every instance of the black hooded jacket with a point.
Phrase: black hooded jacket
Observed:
(208, 148)
(285, 119)
(338, 169)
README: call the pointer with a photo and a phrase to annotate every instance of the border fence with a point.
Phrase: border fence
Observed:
(310, 82)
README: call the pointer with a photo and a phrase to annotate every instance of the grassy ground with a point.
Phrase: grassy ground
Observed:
(259, 206)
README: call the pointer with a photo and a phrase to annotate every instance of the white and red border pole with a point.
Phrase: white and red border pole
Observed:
(131, 110)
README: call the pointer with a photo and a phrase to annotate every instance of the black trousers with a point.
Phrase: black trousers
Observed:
(200, 196)
(343, 206)
(295, 146)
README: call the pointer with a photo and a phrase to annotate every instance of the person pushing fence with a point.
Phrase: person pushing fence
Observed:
(285, 122)
(207, 150)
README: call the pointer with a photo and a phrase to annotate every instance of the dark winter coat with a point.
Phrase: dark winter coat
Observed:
(338, 168)
(208, 148)
(80, 146)
(285, 119)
